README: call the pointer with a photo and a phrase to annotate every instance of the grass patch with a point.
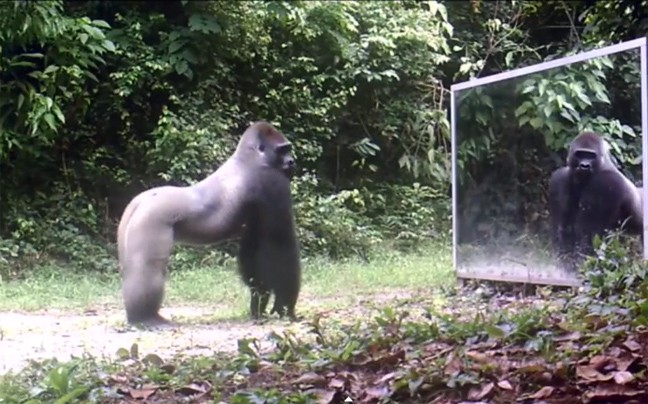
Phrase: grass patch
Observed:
(332, 284)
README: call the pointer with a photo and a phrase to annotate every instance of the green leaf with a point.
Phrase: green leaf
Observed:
(91, 76)
(109, 45)
(58, 113)
(495, 331)
(488, 101)
(528, 89)
(83, 37)
(547, 110)
(182, 67)
(51, 69)
(72, 395)
(536, 123)
(176, 45)
(101, 24)
(49, 118)
(189, 55)
(523, 108)
(94, 32)
(22, 63)
(567, 115)
(542, 87)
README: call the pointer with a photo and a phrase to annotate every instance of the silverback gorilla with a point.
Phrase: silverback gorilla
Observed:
(248, 197)
(590, 196)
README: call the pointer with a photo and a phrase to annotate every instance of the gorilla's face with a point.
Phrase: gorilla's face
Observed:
(584, 163)
(279, 156)
(588, 154)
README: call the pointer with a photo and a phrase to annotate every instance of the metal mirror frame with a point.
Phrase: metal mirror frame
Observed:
(640, 43)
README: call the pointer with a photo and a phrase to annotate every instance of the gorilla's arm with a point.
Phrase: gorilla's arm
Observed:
(561, 211)
(269, 251)
(633, 209)
(611, 202)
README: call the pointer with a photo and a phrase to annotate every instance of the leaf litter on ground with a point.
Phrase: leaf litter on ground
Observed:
(480, 346)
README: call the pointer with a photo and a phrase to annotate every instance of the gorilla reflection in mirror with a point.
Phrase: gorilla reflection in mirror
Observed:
(588, 197)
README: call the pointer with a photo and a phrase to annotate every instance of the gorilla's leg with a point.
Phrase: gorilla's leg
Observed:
(286, 295)
(146, 244)
(249, 269)
(283, 275)
(143, 294)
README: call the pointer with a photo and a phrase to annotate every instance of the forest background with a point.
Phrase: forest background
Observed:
(100, 100)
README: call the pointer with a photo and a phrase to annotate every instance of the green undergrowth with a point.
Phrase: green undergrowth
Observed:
(324, 282)
(484, 344)
(553, 346)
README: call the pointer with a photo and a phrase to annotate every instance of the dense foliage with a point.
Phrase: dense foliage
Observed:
(100, 100)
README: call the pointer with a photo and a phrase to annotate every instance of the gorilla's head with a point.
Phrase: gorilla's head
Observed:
(588, 154)
(269, 146)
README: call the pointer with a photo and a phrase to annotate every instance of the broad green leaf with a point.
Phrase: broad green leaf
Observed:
(51, 69)
(547, 110)
(176, 45)
(567, 115)
(94, 32)
(529, 89)
(536, 123)
(58, 113)
(523, 108)
(108, 45)
(49, 118)
(101, 24)
(542, 87)
(181, 67)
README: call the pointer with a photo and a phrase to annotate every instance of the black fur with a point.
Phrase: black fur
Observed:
(269, 252)
(588, 197)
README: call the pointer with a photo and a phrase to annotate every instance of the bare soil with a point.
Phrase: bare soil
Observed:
(46, 335)
(58, 334)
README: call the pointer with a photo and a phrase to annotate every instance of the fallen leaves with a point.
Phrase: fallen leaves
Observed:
(511, 359)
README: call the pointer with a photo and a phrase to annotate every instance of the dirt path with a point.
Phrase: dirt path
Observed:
(25, 336)
(59, 334)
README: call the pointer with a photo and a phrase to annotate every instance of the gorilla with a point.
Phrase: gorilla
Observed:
(247, 198)
(588, 197)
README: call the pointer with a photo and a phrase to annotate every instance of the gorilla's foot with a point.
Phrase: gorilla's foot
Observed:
(156, 321)
(285, 312)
